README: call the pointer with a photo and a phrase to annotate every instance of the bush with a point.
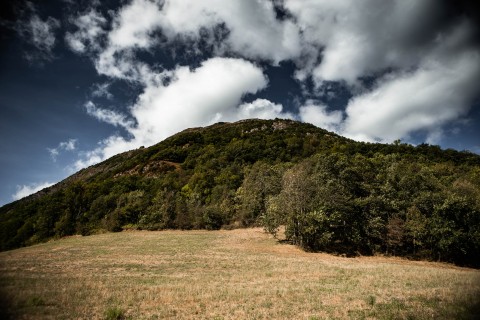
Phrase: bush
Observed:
(212, 218)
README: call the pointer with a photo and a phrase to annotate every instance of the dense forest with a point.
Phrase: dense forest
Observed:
(332, 194)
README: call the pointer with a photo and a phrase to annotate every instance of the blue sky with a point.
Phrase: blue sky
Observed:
(81, 81)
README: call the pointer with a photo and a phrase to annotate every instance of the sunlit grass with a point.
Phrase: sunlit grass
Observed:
(239, 274)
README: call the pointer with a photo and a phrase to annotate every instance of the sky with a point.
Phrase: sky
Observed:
(83, 80)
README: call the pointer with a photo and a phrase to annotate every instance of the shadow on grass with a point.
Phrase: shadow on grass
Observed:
(473, 311)
(5, 307)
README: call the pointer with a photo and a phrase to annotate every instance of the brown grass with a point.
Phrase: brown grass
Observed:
(238, 274)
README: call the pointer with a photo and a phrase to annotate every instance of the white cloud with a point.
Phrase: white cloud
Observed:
(89, 158)
(134, 24)
(194, 98)
(68, 145)
(425, 99)
(402, 44)
(356, 38)
(26, 190)
(254, 31)
(132, 30)
(40, 34)
(190, 98)
(318, 115)
(90, 27)
(122, 65)
(174, 100)
(260, 109)
(109, 116)
(430, 64)
(101, 90)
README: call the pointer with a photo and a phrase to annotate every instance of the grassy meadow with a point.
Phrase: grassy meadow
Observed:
(237, 274)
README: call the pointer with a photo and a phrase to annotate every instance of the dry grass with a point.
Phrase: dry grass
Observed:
(238, 274)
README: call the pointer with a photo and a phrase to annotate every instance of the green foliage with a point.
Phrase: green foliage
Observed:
(212, 218)
(383, 204)
(331, 193)
(261, 182)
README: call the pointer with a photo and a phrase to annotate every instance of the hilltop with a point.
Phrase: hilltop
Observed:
(333, 194)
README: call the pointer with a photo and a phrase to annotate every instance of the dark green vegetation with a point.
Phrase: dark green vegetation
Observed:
(331, 193)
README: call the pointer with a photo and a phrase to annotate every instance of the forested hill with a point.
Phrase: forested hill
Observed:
(332, 194)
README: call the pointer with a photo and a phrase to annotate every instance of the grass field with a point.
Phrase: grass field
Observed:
(238, 274)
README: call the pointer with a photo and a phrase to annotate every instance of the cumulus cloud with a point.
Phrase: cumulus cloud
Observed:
(254, 31)
(250, 29)
(318, 115)
(420, 62)
(68, 145)
(191, 98)
(132, 29)
(173, 100)
(134, 24)
(194, 97)
(423, 60)
(26, 190)
(260, 109)
(354, 39)
(425, 99)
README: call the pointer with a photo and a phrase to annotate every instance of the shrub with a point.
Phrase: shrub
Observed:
(115, 313)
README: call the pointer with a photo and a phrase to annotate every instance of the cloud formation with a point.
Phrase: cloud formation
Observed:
(260, 109)
(89, 29)
(253, 29)
(431, 96)
(68, 145)
(423, 60)
(194, 97)
(102, 90)
(38, 33)
(129, 33)
(355, 39)
(184, 98)
(109, 116)
(26, 190)
(410, 66)
(318, 114)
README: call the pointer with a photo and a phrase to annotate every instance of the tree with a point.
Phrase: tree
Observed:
(129, 207)
(161, 213)
(261, 182)
(395, 234)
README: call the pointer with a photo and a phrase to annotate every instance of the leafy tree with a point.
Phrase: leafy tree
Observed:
(161, 213)
(261, 182)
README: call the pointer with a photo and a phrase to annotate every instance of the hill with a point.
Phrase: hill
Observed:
(236, 274)
(332, 194)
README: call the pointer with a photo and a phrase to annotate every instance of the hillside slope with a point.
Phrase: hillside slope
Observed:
(332, 193)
